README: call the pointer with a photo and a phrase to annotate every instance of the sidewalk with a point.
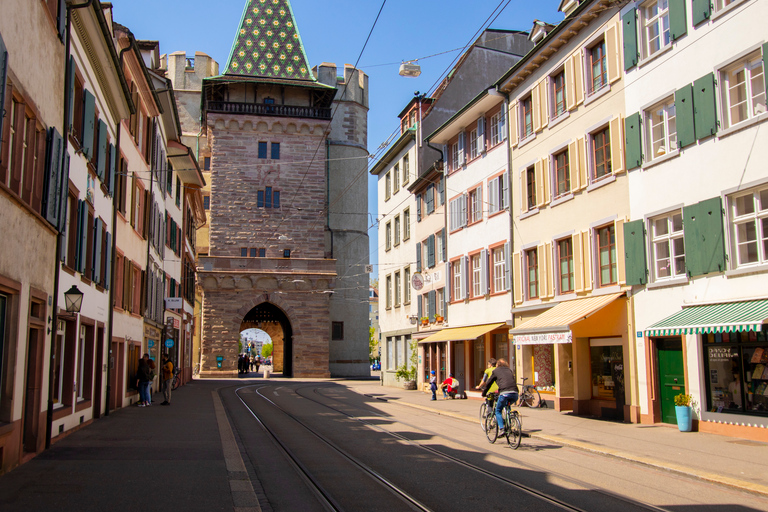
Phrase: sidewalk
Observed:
(730, 461)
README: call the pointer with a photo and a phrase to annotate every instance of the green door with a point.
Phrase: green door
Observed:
(671, 376)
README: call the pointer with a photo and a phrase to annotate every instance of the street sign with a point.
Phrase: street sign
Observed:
(150, 343)
(173, 303)
(369, 269)
(169, 343)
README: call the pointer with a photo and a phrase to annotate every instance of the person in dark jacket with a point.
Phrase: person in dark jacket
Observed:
(508, 392)
(143, 380)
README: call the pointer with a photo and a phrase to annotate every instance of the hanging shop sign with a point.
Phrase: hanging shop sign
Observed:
(543, 338)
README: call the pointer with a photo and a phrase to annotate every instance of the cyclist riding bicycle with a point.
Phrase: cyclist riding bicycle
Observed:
(503, 376)
(494, 387)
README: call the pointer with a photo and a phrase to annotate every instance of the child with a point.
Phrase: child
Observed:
(433, 384)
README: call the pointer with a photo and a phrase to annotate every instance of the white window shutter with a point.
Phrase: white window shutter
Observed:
(481, 135)
(462, 136)
(484, 271)
(465, 277)
(449, 283)
(503, 122)
(505, 190)
(493, 196)
(464, 219)
(507, 266)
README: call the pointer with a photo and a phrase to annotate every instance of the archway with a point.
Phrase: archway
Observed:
(272, 320)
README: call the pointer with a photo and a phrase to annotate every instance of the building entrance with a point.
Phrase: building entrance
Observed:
(273, 321)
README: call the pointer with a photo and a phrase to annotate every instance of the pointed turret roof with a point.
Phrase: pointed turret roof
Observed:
(267, 44)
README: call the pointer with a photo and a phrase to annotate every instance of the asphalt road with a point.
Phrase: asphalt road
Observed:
(316, 446)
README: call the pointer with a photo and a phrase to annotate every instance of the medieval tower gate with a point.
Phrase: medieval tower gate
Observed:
(288, 212)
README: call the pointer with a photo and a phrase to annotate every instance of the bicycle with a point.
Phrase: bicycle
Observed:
(529, 395)
(513, 427)
(484, 408)
(176, 379)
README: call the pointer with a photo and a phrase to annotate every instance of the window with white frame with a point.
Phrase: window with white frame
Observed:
(565, 265)
(476, 204)
(562, 173)
(532, 273)
(458, 279)
(661, 128)
(407, 286)
(473, 149)
(455, 156)
(388, 236)
(655, 23)
(526, 117)
(743, 89)
(498, 127)
(397, 231)
(749, 216)
(477, 269)
(398, 287)
(606, 255)
(406, 170)
(499, 269)
(668, 246)
(530, 188)
(439, 246)
(387, 186)
(389, 291)
(558, 94)
(395, 178)
(600, 144)
(597, 67)
(406, 224)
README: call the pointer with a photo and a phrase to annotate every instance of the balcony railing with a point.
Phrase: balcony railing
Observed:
(261, 109)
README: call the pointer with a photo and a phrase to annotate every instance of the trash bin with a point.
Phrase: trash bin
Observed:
(267, 371)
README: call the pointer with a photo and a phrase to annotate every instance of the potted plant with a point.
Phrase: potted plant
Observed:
(683, 410)
(439, 319)
(407, 372)
(425, 320)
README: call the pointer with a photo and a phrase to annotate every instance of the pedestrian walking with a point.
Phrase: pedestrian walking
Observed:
(142, 380)
(152, 375)
(167, 379)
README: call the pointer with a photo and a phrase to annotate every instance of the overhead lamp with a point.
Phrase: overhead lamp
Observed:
(410, 69)
(73, 299)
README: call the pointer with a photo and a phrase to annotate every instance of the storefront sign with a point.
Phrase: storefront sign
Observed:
(543, 339)
(417, 281)
(721, 354)
(173, 303)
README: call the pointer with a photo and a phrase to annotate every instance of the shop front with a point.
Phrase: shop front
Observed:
(463, 351)
(718, 353)
(576, 354)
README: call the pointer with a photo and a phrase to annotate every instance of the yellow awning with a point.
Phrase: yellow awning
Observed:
(561, 317)
(461, 333)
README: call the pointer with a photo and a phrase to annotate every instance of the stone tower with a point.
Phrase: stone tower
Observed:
(288, 230)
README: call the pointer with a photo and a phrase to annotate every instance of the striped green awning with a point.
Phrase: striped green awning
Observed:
(748, 315)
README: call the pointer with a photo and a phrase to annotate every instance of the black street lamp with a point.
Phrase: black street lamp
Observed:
(73, 299)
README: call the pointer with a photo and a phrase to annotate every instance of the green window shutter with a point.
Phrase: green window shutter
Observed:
(89, 124)
(444, 256)
(101, 156)
(684, 116)
(96, 263)
(431, 302)
(633, 148)
(431, 251)
(700, 11)
(112, 168)
(765, 61)
(82, 235)
(418, 307)
(108, 262)
(418, 257)
(678, 21)
(634, 252)
(704, 110)
(703, 235)
(62, 21)
(71, 91)
(629, 25)
(53, 181)
(3, 79)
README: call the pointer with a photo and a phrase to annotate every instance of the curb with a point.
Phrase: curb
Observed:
(734, 483)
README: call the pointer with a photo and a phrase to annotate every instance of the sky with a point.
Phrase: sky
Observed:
(433, 31)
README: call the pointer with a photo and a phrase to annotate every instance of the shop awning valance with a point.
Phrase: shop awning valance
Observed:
(748, 315)
(561, 317)
(461, 333)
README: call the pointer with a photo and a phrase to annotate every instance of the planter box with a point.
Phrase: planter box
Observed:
(411, 384)
(684, 418)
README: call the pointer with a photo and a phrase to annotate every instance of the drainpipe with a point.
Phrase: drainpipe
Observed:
(59, 236)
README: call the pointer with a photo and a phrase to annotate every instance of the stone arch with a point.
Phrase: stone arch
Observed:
(265, 312)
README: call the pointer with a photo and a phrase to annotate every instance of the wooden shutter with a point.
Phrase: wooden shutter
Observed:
(431, 251)
(465, 277)
(518, 277)
(573, 165)
(633, 136)
(101, 155)
(14, 163)
(541, 256)
(444, 255)
(549, 270)
(617, 146)
(504, 200)
(29, 161)
(765, 61)
(431, 303)
(547, 179)
(634, 252)
(629, 39)
(583, 171)
(612, 53)
(54, 192)
(82, 235)
(513, 123)
(462, 138)
(484, 272)
(62, 19)
(618, 230)
(523, 190)
(686, 135)
(539, 173)
(536, 108)
(704, 110)
(544, 105)
(112, 168)
(3, 87)
(418, 256)
(570, 85)
(700, 11)
(578, 263)
(678, 22)
(577, 91)
(6, 132)
(72, 71)
(493, 196)
(418, 207)
(89, 123)
(703, 236)
(481, 135)
(587, 251)
(108, 261)
(96, 261)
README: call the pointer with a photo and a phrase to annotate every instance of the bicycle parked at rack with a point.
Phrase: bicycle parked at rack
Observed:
(529, 395)
(512, 428)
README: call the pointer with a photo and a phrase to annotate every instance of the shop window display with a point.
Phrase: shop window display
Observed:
(544, 367)
(737, 371)
(607, 371)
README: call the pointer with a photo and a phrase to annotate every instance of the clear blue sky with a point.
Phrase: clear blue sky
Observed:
(335, 31)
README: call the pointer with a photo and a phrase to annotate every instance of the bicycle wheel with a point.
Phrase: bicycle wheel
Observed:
(527, 397)
(176, 382)
(535, 398)
(514, 431)
(491, 428)
(483, 414)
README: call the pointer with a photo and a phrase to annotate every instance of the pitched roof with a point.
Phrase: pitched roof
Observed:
(267, 44)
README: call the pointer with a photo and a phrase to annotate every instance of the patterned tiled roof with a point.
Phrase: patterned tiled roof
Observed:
(267, 44)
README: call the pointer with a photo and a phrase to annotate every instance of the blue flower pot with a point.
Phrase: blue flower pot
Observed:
(684, 418)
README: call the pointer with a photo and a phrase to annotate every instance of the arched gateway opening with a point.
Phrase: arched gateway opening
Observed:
(272, 320)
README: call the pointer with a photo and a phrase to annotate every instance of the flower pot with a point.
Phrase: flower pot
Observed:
(684, 418)
(410, 384)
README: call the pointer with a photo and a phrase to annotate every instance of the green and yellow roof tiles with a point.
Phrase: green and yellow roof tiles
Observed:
(267, 44)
